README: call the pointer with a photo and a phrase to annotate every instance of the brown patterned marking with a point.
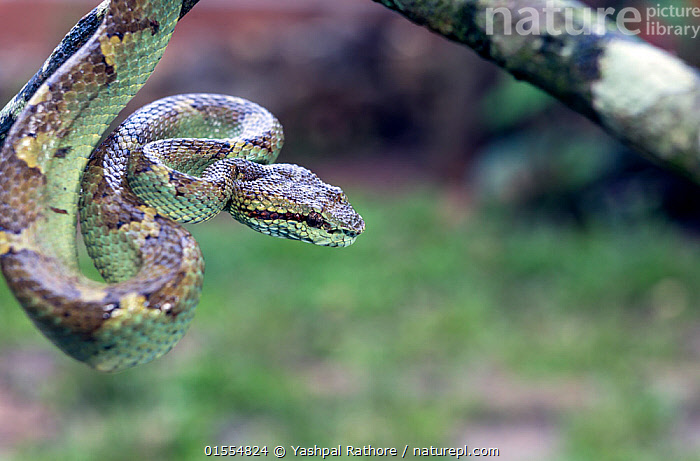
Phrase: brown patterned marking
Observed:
(98, 187)
(142, 165)
(130, 27)
(159, 300)
(58, 210)
(61, 153)
(155, 26)
(265, 215)
(108, 70)
(14, 217)
(313, 219)
(30, 273)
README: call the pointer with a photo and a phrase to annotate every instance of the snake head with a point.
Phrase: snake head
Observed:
(286, 200)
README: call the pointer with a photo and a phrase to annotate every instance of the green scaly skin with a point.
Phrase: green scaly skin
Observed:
(153, 266)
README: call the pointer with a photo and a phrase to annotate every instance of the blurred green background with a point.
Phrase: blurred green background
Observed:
(525, 282)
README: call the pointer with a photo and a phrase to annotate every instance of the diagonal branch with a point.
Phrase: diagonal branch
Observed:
(640, 94)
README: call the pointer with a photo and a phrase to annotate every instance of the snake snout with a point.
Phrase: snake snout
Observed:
(358, 225)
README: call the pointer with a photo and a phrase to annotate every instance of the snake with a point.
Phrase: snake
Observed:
(181, 159)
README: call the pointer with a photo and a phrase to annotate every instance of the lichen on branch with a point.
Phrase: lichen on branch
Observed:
(640, 94)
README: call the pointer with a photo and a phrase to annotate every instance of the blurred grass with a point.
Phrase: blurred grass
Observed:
(426, 327)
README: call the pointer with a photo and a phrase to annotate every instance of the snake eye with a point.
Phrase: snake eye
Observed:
(314, 219)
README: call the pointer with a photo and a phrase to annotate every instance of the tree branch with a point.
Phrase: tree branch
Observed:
(640, 94)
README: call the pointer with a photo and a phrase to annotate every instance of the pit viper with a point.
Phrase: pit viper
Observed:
(182, 158)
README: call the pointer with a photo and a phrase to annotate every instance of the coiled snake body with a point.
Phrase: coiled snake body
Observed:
(153, 266)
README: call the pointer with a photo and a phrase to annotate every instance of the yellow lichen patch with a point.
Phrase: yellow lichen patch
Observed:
(133, 308)
(132, 335)
(128, 38)
(148, 211)
(17, 242)
(149, 224)
(34, 150)
(146, 227)
(4, 243)
(131, 304)
(107, 46)
(91, 294)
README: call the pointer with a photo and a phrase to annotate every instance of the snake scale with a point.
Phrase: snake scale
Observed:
(182, 158)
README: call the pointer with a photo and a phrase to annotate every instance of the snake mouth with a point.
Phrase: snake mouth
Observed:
(334, 238)
(310, 227)
(312, 219)
(345, 235)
